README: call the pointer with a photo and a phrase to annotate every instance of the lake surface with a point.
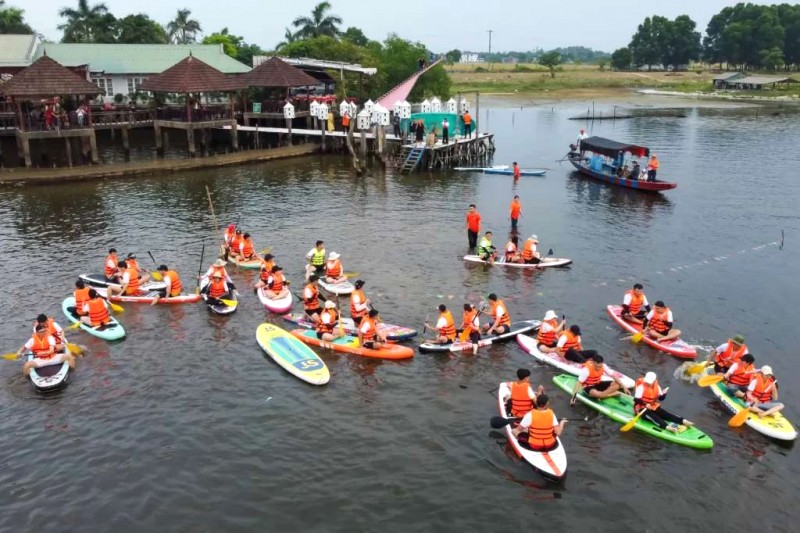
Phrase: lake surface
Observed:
(187, 426)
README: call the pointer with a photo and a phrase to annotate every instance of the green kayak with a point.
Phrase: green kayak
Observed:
(620, 408)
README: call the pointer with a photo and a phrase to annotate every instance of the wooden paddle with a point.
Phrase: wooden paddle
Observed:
(200, 270)
(739, 418)
(707, 381)
(632, 422)
(697, 368)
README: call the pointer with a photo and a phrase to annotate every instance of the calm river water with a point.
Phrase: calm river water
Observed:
(187, 426)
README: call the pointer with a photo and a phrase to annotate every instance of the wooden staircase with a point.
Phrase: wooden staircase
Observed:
(409, 159)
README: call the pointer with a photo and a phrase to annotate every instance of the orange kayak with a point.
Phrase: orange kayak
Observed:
(349, 344)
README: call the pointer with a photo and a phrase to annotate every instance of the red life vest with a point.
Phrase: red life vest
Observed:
(371, 332)
(573, 341)
(527, 250)
(659, 321)
(728, 356)
(649, 397)
(505, 320)
(266, 270)
(81, 297)
(98, 313)
(276, 285)
(247, 248)
(764, 388)
(176, 287)
(108, 269)
(41, 347)
(548, 338)
(133, 281)
(357, 295)
(521, 402)
(333, 268)
(595, 375)
(328, 315)
(449, 329)
(311, 304)
(742, 375)
(636, 302)
(541, 434)
(217, 288)
(469, 320)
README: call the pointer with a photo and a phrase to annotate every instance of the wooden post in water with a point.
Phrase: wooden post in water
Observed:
(363, 145)
(126, 143)
(190, 140)
(93, 147)
(26, 150)
(478, 111)
(68, 147)
(289, 127)
(235, 136)
(159, 140)
(323, 127)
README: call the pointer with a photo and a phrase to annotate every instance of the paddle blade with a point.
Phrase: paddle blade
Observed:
(707, 381)
(637, 337)
(739, 418)
(350, 274)
(498, 422)
(265, 250)
(10, 356)
(156, 275)
(76, 325)
(74, 349)
(229, 303)
(631, 422)
(696, 369)
(116, 308)
(464, 335)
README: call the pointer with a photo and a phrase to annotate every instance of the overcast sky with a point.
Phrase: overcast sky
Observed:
(442, 25)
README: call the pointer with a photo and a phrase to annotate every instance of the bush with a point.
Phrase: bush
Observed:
(119, 97)
(522, 68)
(480, 70)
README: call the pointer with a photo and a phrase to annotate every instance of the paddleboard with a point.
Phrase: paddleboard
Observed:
(340, 289)
(292, 355)
(392, 333)
(529, 344)
(547, 262)
(350, 344)
(149, 296)
(280, 305)
(552, 463)
(675, 347)
(510, 172)
(252, 264)
(481, 169)
(219, 307)
(99, 280)
(49, 378)
(620, 409)
(110, 332)
(775, 426)
(522, 327)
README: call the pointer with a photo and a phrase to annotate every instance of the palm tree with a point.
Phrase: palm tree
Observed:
(183, 30)
(82, 25)
(288, 38)
(320, 23)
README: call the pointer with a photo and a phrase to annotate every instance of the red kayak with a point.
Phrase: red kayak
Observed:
(149, 297)
(675, 347)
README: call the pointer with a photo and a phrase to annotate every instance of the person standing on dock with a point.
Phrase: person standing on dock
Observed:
(346, 121)
(419, 132)
(445, 131)
(515, 210)
(467, 124)
(473, 226)
(396, 125)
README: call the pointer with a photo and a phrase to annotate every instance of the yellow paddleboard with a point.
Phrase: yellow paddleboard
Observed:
(292, 354)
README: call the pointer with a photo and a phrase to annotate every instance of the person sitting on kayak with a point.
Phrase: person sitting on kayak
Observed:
(265, 270)
(739, 375)
(129, 281)
(530, 256)
(327, 322)
(520, 401)
(471, 323)
(311, 298)
(368, 334)
(500, 319)
(359, 304)
(236, 243)
(43, 347)
(647, 395)
(590, 380)
(227, 237)
(218, 267)
(762, 393)
(277, 284)
(727, 353)
(658, 324)
(95, 311)
(217, 288)
(132, 262)
(486, 250)
(172, 280)
(632, 305)
(110, 269)
(569, 346)
(246, 250)
(549, 332)
(316, 260)
(333, 269)
(445, 326)
(53, 329)
(513, 254)
(81, 295)
(542, 425)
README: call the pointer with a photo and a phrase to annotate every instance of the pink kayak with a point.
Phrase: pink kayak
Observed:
(675, 347)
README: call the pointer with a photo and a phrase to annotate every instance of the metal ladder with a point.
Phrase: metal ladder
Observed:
(412, 160)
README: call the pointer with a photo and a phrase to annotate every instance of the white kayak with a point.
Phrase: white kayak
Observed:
(547, 262)
(280, 305)
(49, 378)
(340, 289)
(480, 169)
(552, 463)
(99, 280)
(521, 327)
(528, 344)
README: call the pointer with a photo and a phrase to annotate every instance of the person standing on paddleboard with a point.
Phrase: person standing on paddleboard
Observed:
(316, 260)
(590, 381)
(473, 226)
(632, 304)
(646, 397)
(549, 332)
(543, 428)
(658, 324)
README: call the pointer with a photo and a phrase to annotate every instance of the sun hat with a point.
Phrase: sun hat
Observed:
(650, 378)
(550, 315)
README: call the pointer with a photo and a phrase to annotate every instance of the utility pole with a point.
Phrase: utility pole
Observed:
(490, 49)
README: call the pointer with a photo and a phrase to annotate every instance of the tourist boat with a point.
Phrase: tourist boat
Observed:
(595, 165)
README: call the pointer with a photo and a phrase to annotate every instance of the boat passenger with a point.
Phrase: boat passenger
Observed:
(727, 353)
(368, 334)
(500, 320)
(581, 137)
(542, 425)
(246, 250)
(359, 304)
(632, 304)
(311, 297)
(277, 284)
(445, 326)
(110, 268)
(218, 267)
(172, 280)
(658, 323)
(236, 243)
(549, 332)
(333, 269)
(520, 401)
(762, 393)
(327, 322)
(739, 375)
(227, 237)
(129, 282)
(635, 170)
(43, 347)
(647, 395)
(513, 254)
(486, 250)
(530, 255)
(316, 260)
(95, 311)
(265, 270)
(470, 322)
(217, 288)
(81, 295)
(569, 346)
(53, 329)
(132, 262)
(590, 380)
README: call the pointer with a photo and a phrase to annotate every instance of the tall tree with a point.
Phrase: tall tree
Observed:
(183, 29)
(621, 59)
(649, 41)
(453, 56)
(288, 38)
(86, 24)
(355, 36)
(12, 20)
(550, 60)
(140, 29)
(320, 22)
(683, 42)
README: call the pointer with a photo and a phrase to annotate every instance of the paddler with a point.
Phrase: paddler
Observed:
(236, 242)
(95, 311)
(227, 237)
(277, 284)
(658, 323)
(246, 250)
(333, 269)
(53, 329)
(267, 262)
(515, 209)
(43, 347)
(542, 425)
(81, 295)
(762, 393)
(129, 281)
(217, 288)
(311, 299)
(520, 401)
(218, 267)
(316, 260)
(172, 280)
(727, 353)
(500, 320)
(470, 322)
(739, 375)
(368, 334)
(327, 322)
(486, 250)
(549, 332)
(632, 304)
(647, 395)
(110, 268)
(590, 380)
(530, 255)
(512, 254)
(132, 262)
(445, 326)
(359, 304)
(570, 347)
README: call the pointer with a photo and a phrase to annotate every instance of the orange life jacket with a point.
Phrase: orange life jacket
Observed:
(176, 287)
(659, 321)
(41, 347)
(517, 174)
(52, 331)
(636, 302)
(548, 338)
(133, 281)
(235, 242)
(505, 320)
(511, 250)
(369, 335)
(330, 315)
(215, 270)
(266, 269)
(357, 294)
(81, 297)
(108, 269)
(98, 313)
(133, 263)
(742, 375)
(521, 402)
(312, 303)
(333, 268)
(527, 250)
(541, 434)
(573, 341)
(654, 163)
(449, 329)
(467, 119)
(247, 248)
(345, 120)
(229, 233)
(649, 397)
(764, 388)
(277, 282)
(469, 320)
(595, 375)
(515, 207)
(728, 357)
(217, 288)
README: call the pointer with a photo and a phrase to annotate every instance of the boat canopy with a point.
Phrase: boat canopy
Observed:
(601, 145)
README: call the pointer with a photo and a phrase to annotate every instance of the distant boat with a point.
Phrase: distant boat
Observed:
(598, 169)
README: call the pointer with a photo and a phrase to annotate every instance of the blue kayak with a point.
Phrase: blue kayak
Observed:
(510, 172)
